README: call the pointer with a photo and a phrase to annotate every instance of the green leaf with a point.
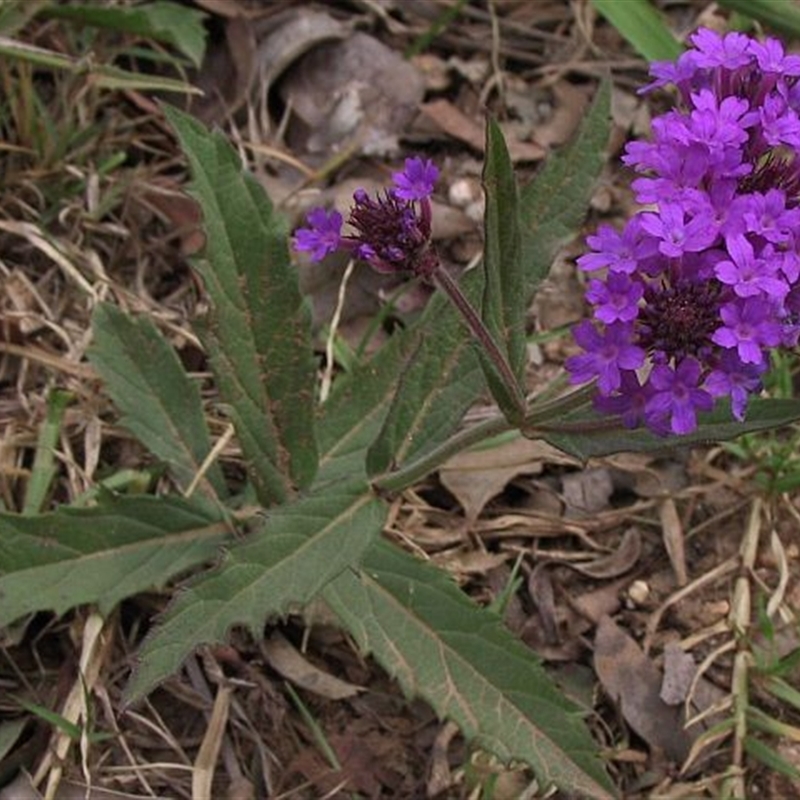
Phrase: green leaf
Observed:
(461, 660)
(353, 414)
(643, 26)
(159, 404)
(296, 551)
(173, 23)
(102, 554)
(553, 205)
(258, 333)
(437, 385)
(504, 301)
(778, 14)
(585, 434)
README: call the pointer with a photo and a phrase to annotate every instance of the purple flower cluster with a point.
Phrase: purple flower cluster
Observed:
(391, 232)
(700, 284)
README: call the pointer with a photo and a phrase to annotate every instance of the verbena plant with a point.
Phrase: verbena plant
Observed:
(695, 293)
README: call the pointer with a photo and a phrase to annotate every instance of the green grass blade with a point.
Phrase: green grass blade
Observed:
(438, 26)
(15, 15)
(784, 691)
(461, 660)
(258, 330)
(44, 463)
(102, 75)
(297, 550)
(643, 26)
(782, 15)
(172, 23)
(159, 404)
(103, 554)
(770, 757)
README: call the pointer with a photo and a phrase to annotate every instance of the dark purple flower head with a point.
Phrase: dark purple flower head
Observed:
(390, 231)
(706, 280)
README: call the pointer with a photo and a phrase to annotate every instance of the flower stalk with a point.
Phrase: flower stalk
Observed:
(392, 233)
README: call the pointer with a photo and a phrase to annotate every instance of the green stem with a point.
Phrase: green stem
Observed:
(412, 473)
(546, 410)
(479, 330)
(535, 422)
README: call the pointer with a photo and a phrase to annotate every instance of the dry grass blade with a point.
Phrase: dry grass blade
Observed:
(205, 763)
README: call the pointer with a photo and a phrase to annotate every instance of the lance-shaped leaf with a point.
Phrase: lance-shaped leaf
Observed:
(438, 384)
(297, 550)
(553, 205)
(461, 660)
(257, 334)
(504, 299)
(355, 411)
(103, 554)
(159, 404)
(587, 433)
(640, 22)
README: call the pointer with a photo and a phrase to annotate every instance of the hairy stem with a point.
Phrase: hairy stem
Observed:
(415, 471)
(450, 287)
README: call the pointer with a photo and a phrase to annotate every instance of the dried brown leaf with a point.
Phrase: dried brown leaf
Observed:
(633, 681)
(619, 562)
(679, 671)
(587, 492)
(672, 530)
(287, 661)
(477, 476)
(454, 122)
(540, 588)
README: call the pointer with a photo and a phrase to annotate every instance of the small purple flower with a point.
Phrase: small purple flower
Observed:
(677, 395)
(768, 216)
(676, 234)
(606, 354)
(729, 52)
(629, 402)
(748, 275)
(323, 237)
(617, 299)
(748, 326)
(734, 379)
(619, 252)
(772, 58)
(417, 180)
